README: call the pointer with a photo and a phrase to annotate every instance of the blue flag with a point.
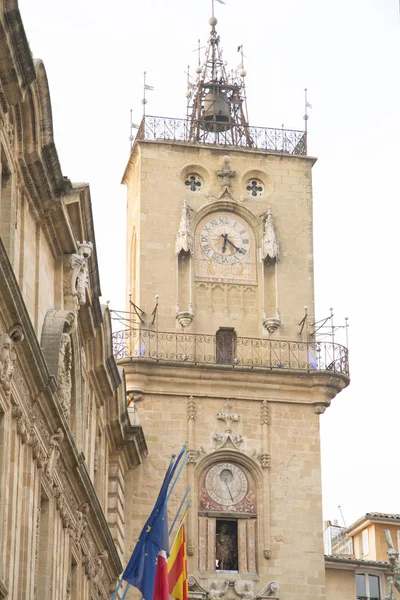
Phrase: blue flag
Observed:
(141, 569)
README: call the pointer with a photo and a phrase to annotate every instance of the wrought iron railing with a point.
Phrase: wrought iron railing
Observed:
(282, 141)
(246, 352)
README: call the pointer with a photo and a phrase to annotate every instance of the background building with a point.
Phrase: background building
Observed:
(66, 441)
(220, 268)
(356, 558)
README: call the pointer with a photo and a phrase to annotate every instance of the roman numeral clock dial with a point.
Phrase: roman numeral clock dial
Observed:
(225, 247)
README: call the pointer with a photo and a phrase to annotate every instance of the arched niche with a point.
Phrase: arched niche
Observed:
(61, 348)
(229, 492)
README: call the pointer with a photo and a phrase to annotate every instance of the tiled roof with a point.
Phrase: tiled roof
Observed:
(379, 515)
(355, 561)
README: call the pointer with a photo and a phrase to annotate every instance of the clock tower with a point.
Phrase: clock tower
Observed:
(219, 270)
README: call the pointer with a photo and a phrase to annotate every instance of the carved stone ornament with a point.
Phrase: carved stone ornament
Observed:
(8, 127)
(184, 318)
(271, 590)
(80, 272)
(244, 589)
(226, 175)
(81, 521)
(195, 455)
(271, 324)
(264, 413)
(267, 554)
(221, 439)
(55, 442)
(270, 245)
(263, 458)
(191, 409)
(217, 589)
(184, 237)
(8, 356)
(197, 592)
(319, 408)
(228, 417)
(64, 374)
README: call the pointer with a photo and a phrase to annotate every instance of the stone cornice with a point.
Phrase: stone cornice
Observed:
(300, 387)
(21, 70)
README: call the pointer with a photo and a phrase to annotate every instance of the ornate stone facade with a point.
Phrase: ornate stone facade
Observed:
(62, 396)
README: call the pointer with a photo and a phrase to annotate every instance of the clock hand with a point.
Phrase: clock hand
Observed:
(229, 490)
(225, 236)
(233, 246)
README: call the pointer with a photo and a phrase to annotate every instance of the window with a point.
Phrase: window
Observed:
(225, 346)
(365, 542)
(226, 552)
(367, 587)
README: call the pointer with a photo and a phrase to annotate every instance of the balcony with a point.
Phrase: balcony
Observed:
(236, 352)
(281, 141)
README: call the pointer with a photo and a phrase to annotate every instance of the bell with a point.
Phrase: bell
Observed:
(216, 111)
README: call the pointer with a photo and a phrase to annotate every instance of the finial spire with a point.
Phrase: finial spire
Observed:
(218, 102)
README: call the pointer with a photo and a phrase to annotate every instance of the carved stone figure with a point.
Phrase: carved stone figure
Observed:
(64, 374)
(214, 593)
(184, 237)
(55, 441)
(246, 592)
(81, 522)
(393, 560)
(7, 362)
(99, 566)
(225, 549)
(270, 245)
(80, 273)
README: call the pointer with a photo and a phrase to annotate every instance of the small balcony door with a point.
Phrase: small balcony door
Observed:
(225, 341)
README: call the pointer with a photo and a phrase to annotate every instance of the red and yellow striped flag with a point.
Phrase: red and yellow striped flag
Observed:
(177, 567)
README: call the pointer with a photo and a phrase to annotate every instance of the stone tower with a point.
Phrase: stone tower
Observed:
(220, 268)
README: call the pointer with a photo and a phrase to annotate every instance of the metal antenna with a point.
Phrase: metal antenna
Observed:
(149, 88)
(306, 115)
(340, 509)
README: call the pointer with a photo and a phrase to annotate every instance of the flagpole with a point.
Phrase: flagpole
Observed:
(180, 508)
(189, 504)
(178, 474)
(126, 591)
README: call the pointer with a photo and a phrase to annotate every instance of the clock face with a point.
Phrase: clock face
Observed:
(226, 484)
(225, 248)
(225, 239)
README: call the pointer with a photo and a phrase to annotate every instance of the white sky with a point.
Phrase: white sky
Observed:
(347, 53)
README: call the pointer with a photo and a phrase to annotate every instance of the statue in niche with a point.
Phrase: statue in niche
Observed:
(226, 548)
(7, 362)
(270, 245)
(184, 237)
(65, 374)
(80, 272)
